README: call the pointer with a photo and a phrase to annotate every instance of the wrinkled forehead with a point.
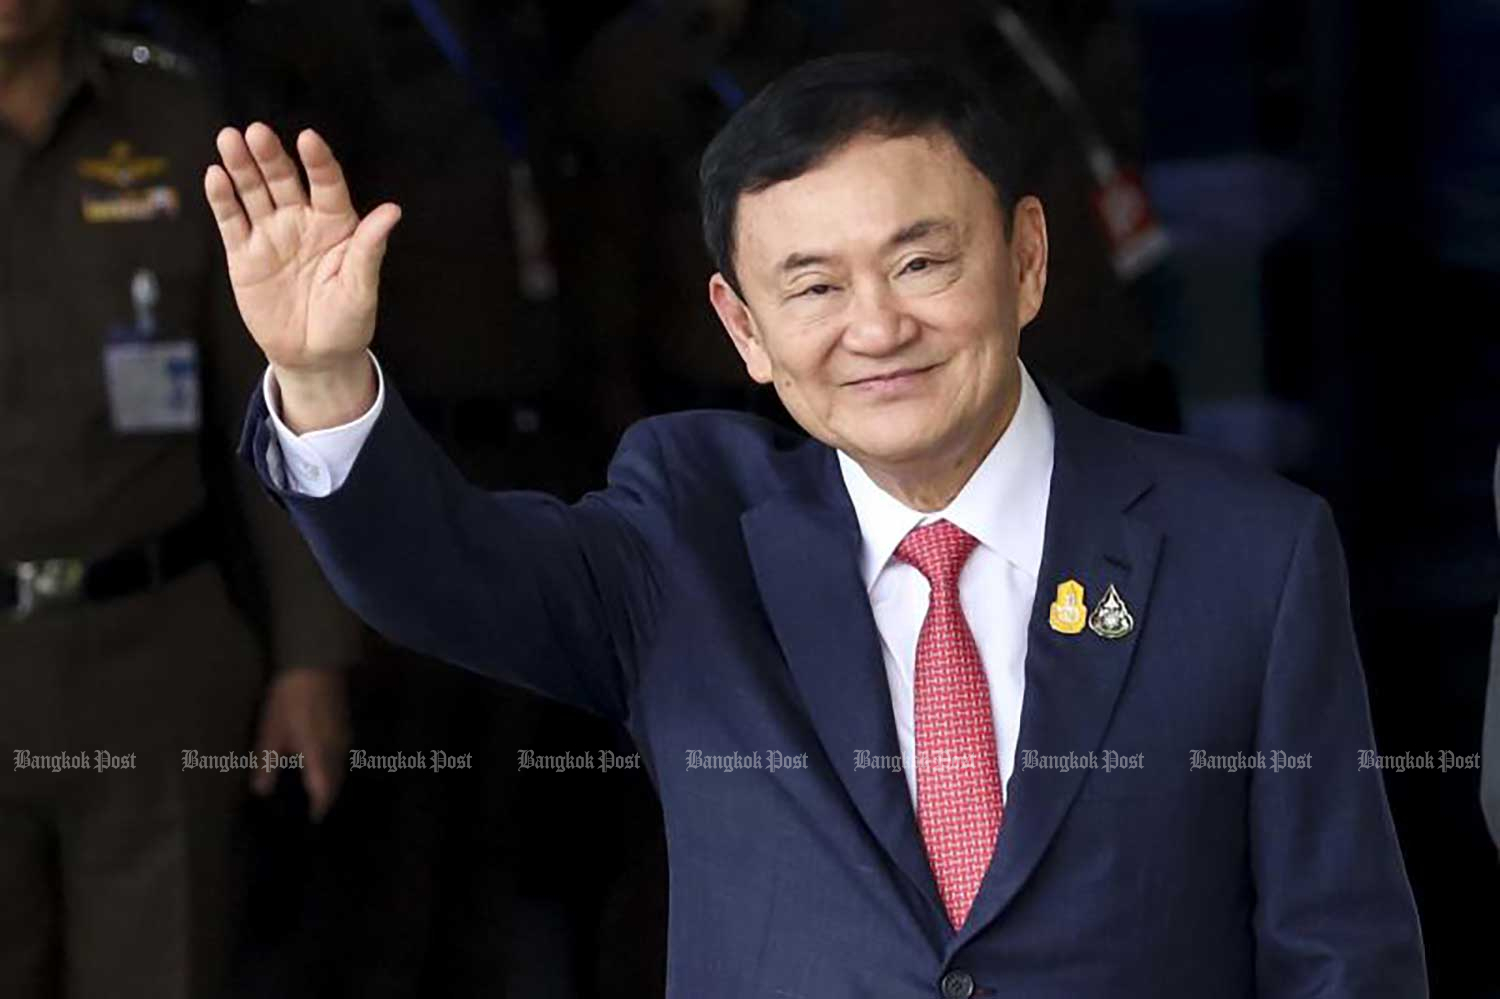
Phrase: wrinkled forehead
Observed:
(860, 195)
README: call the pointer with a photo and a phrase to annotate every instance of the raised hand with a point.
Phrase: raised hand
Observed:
(304, 266)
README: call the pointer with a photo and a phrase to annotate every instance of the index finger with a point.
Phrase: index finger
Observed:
(234, 228)
(325, 177)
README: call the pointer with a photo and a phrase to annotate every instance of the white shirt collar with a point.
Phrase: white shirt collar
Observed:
(1003, 505)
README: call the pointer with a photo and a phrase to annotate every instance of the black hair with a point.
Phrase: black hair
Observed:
(807, 115)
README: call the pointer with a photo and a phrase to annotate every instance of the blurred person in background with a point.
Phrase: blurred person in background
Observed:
(133, 622)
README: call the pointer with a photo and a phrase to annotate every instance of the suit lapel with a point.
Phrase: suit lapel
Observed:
(804, 546)
(1072, 681)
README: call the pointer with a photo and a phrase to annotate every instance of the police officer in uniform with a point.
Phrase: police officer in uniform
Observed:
(131, 664)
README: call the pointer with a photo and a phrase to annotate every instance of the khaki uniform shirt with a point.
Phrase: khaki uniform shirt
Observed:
(123, 364)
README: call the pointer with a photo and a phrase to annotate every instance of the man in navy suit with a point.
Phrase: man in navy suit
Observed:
(972, 694)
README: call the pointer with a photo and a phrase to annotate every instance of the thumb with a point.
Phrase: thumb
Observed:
(367, 245)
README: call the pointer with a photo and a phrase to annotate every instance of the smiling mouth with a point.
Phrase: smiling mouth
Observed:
(892, 377)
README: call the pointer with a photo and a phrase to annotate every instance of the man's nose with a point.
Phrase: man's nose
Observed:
(878, 324)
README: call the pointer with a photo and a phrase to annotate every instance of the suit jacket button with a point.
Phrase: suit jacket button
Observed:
(957, 985)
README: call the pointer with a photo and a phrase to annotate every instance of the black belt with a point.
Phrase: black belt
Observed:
(34, 585)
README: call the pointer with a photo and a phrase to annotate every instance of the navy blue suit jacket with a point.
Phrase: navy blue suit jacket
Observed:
(710, 600)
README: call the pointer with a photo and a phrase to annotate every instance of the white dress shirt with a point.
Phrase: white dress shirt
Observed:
(317, 462)
(1003, 505)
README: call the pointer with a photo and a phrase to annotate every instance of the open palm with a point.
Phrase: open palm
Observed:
(304, 267)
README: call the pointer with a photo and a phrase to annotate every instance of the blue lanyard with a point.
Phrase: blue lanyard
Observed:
(500, 105)
(722, 82)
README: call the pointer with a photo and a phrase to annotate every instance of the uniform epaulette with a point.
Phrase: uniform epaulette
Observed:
(145, 52)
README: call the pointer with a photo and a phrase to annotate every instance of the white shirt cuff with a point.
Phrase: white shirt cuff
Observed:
(317, 462)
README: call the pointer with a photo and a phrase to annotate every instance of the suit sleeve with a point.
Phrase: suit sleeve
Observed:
(1334, 916)
(517, 585)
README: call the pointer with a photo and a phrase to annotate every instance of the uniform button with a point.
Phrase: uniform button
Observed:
(957, 985)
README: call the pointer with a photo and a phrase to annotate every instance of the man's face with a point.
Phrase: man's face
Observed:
(884, 302)
(26, 22)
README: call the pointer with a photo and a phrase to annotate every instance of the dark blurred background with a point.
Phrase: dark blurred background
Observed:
(1275, 227)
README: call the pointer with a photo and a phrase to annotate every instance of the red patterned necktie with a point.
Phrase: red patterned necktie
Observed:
(959, 804)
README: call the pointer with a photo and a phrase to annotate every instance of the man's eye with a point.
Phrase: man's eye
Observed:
(918, 265)
(816, 291)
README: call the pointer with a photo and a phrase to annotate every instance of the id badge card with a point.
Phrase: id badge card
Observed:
(152, 381)
(153, 386)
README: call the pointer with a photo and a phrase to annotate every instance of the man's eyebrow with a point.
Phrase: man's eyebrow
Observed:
(797, 261)
(921, 229)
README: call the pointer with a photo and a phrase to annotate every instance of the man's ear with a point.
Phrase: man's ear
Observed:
(740, 325)
(1028, 247)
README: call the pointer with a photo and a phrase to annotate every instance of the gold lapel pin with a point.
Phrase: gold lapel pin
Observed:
(1069, 612)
